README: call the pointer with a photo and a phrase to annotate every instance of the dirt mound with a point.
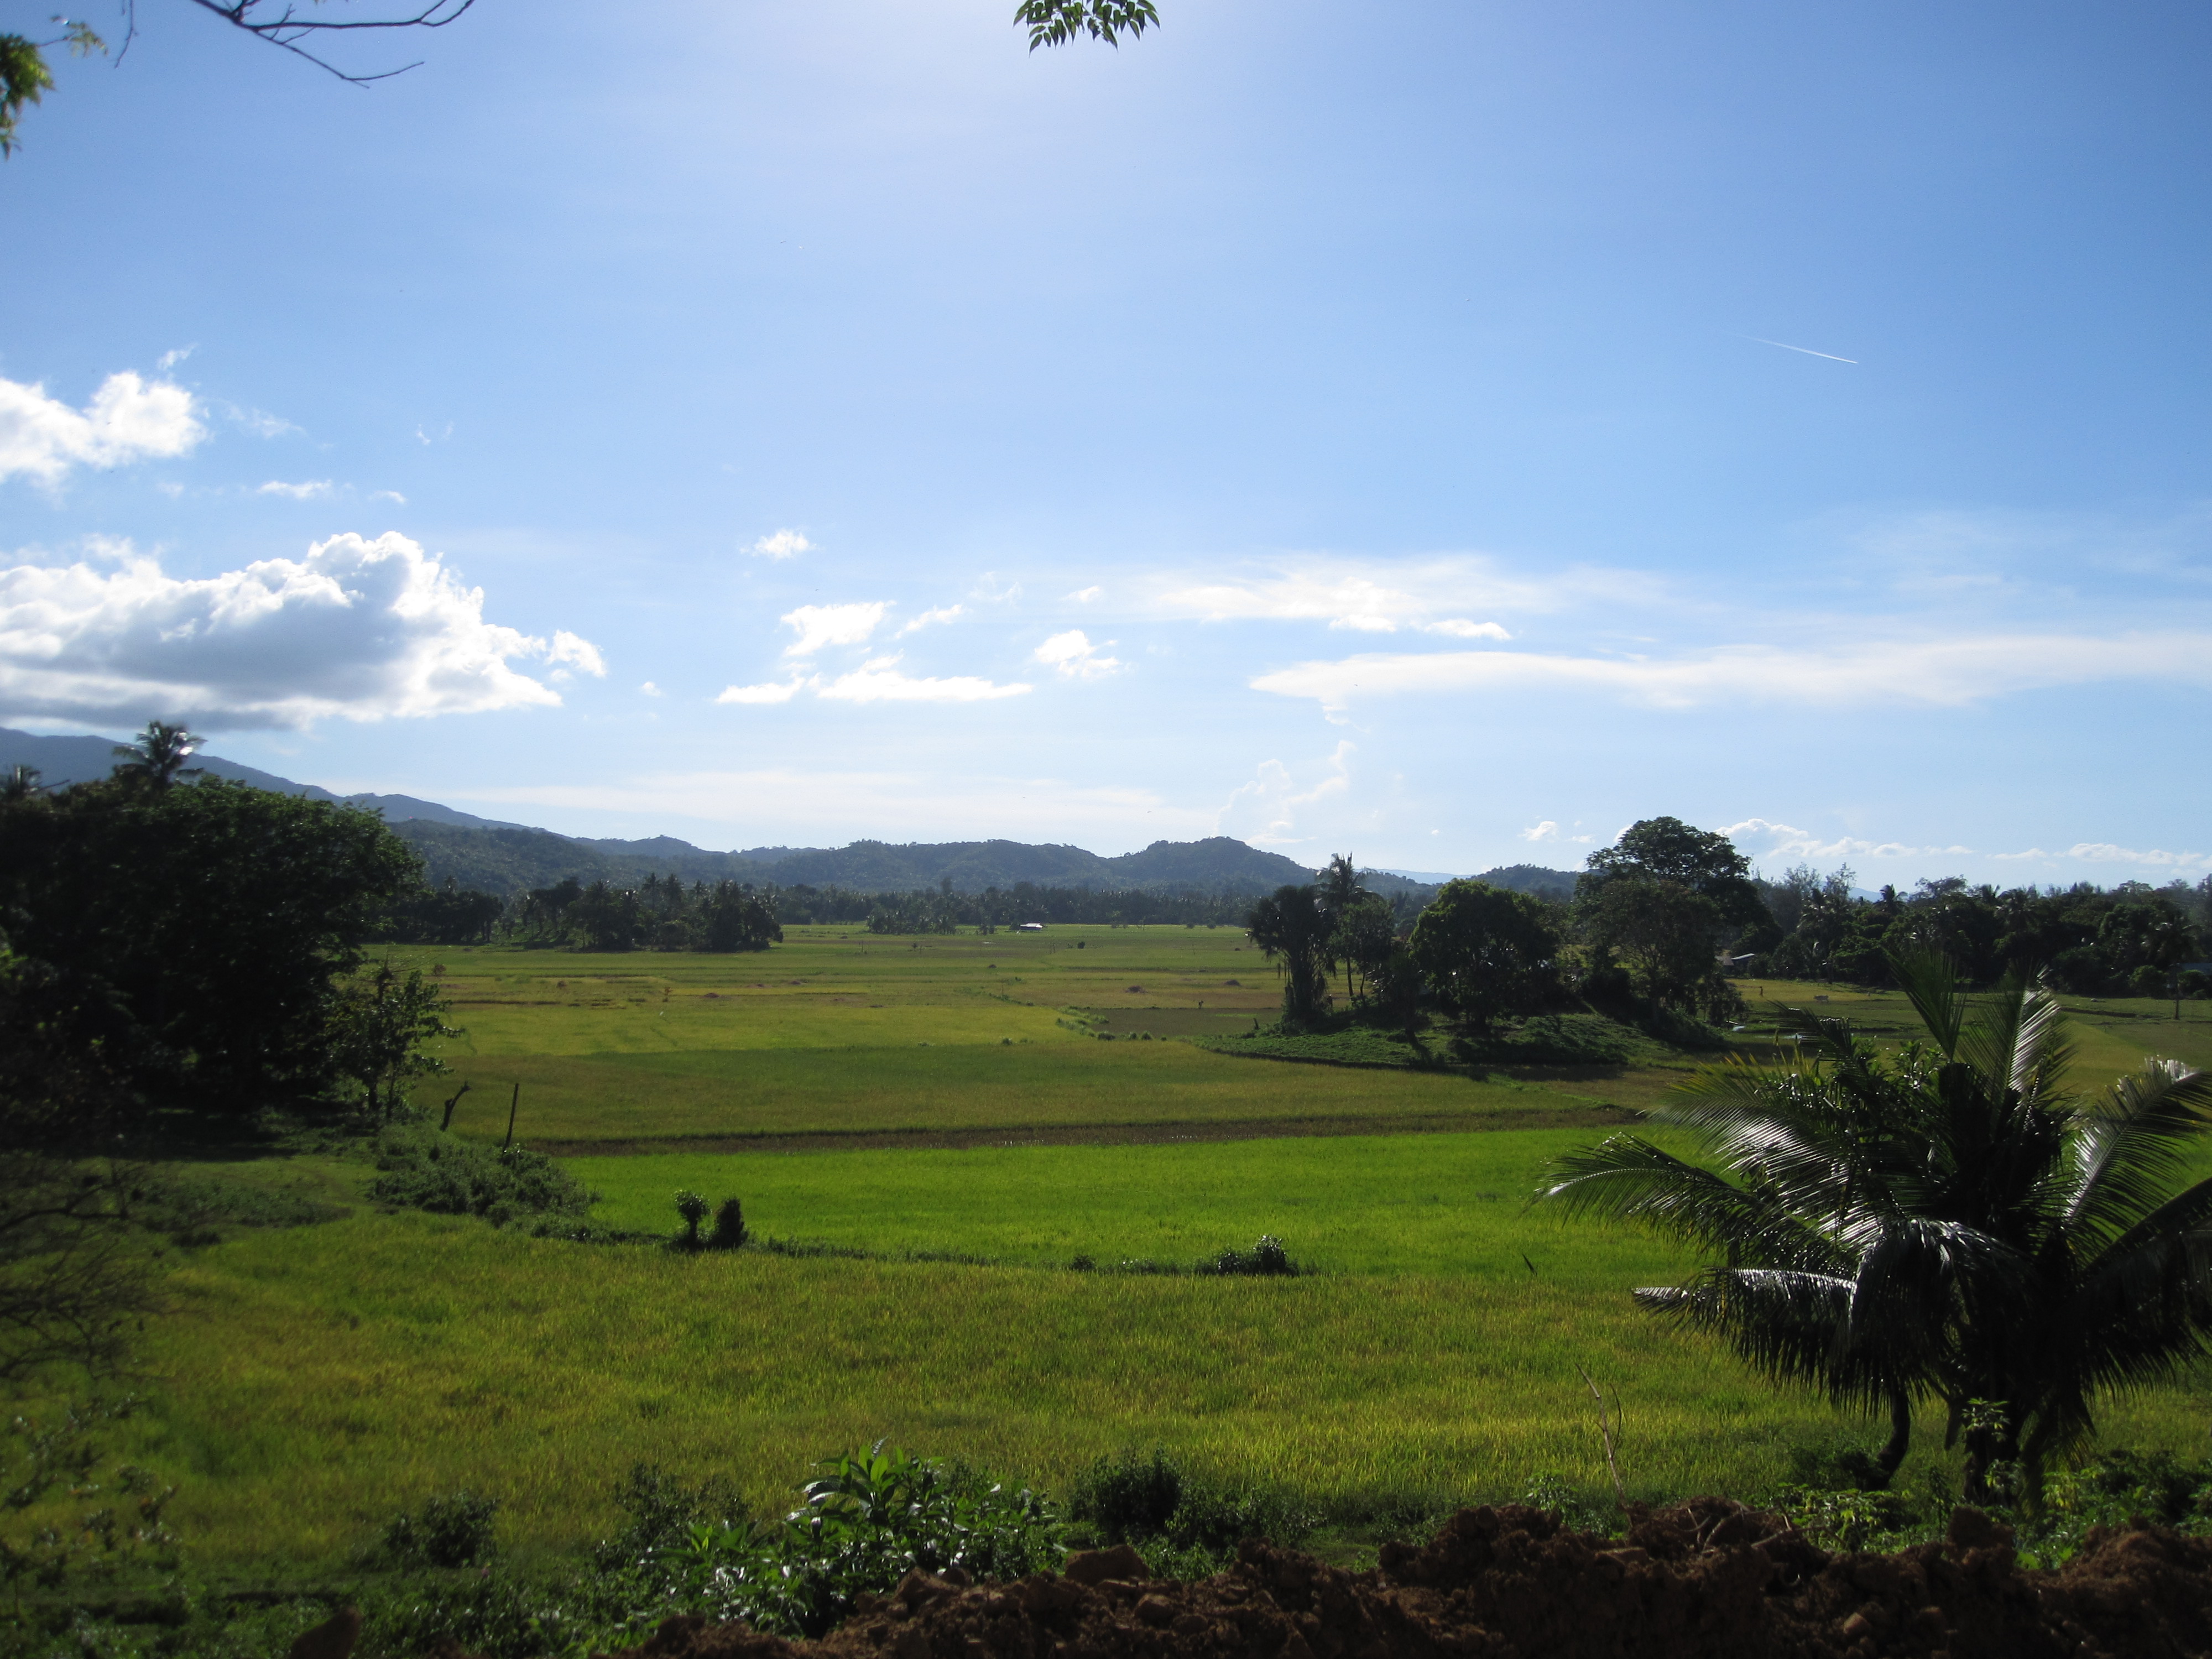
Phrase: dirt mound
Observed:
(1709, 1579)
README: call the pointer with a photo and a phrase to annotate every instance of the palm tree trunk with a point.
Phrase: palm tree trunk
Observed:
(1900, 1436)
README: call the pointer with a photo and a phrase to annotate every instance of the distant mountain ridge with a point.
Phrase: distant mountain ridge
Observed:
(502, 858)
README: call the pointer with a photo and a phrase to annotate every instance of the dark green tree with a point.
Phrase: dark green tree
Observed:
(1488, 951)
(213, 923)
(1667, 934)
(155, 758)
(1701, 861)
(1290, 926)
(1946, 1219)
(381, 1022)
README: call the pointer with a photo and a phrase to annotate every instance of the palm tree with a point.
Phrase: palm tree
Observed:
(157, 755)
(1944, 1221)
(1290, 924)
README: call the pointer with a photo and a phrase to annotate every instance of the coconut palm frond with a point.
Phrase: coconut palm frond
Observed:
(1781, 1323)
(2014, 1038)
(2129, 1146)
(1929, 980)
(1627, 1178)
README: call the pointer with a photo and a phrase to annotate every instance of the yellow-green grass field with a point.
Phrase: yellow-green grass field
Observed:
(309, 1382)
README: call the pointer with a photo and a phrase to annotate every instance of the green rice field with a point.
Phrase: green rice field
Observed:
(961, 1099)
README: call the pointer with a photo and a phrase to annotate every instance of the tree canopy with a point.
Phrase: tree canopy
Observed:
(1488, 952)
(1949, 1220)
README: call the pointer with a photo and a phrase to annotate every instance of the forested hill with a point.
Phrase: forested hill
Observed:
(505, 859)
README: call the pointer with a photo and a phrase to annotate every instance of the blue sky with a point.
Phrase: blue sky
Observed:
(1344, 428)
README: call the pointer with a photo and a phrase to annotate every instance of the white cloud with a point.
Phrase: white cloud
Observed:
(2103, 851)
(387, 496)
(571, 651)
(260, 422)
(1547, 830)
(1377, 597)
(941, 614)
(1265, 813)
(650, 689)
(1940, 671)
(831, 624)
(168, 359)
(1075, 657)
(310, 490)
(783, 544)
(880, 681)
(1460, 629)
(1085, 595)
(127, 420)
(769, 693)
(357, 630)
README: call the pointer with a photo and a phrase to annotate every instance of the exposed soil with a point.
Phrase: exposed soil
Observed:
(1709, 1579)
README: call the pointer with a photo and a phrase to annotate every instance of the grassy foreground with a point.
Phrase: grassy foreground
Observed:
(310, 1381)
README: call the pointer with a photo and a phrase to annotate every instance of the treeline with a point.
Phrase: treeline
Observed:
(1669, 919)
(2130, 940)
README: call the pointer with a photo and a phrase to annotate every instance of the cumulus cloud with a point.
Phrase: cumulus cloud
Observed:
(1547, 830)
(1073, 655)
(1265, 813)
(388, 495)
(650, 689)
(818, 625)
(127, 419)
(168, 359)
(770, 693)
(1939, 672)
(1085, 595)
(782, 545)
(312, 489)
(572, 651)
(880, 681)
(357, 630)
(941, 614)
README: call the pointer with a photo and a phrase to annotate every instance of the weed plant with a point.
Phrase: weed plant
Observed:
(1183, 1525)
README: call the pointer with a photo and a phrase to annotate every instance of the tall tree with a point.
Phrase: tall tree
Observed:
(1290, 926)
(1488, 951)
(1702, 861)
(1945, 1219)
(156, 757)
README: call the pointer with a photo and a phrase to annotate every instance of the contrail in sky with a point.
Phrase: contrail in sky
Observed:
(1808, 350)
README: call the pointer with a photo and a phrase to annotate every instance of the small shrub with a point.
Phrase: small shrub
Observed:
(425, 1168)
(1185, 1526)
(729, 1233)
(1267, 1260)
(692, 1209)
(451, 1531)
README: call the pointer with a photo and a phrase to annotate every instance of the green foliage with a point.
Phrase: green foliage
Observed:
(1184, 1525)
(24, 77)
(1487, 952)
(1265, 1260)
(425, 1168)
(692, 1209)
(729, 1231)
(1055, 22)
(201, 931)
(455, 1530)
(1293, 927)
(912, 913)
(869, 1519)
(1947, 1220)
(378, 1028)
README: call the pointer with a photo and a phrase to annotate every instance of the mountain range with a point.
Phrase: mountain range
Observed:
(497, 857)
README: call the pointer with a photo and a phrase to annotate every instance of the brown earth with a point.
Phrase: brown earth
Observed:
(1709, 1579)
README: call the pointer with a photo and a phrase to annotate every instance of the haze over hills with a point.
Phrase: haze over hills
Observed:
(504, 858)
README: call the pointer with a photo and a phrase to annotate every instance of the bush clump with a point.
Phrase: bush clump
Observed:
(455, 1530)
(1265, 1260)
(1183, 1525)
(425, 1168)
